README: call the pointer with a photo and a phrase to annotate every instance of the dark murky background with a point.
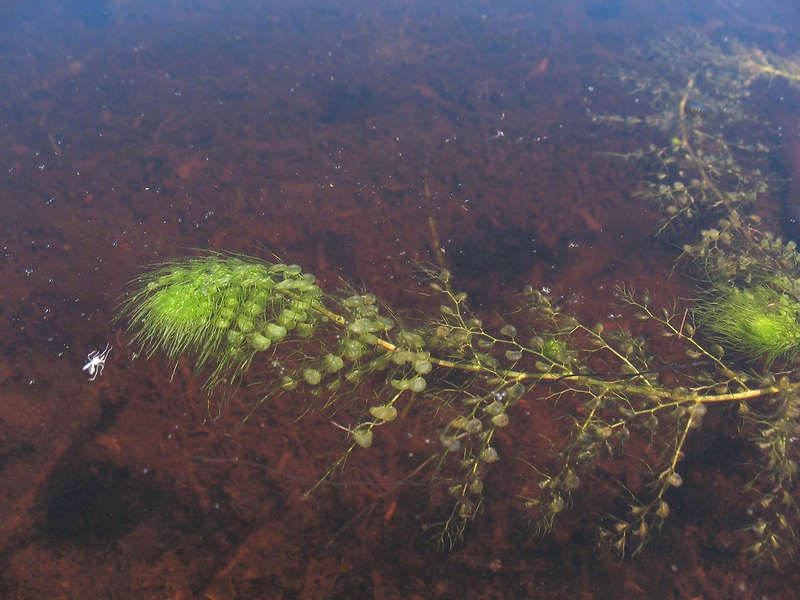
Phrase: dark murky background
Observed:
(136, 131)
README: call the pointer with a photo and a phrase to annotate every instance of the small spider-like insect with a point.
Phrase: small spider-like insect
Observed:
(97, 362)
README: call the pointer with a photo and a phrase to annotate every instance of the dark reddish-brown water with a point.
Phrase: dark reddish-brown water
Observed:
(136, 131)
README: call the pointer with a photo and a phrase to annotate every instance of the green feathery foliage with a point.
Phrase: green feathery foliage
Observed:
(757, 323)
(221, 310)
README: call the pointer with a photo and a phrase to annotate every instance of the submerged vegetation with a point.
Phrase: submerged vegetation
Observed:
(608, 386)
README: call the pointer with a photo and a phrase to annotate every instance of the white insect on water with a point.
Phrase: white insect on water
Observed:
(97, 362)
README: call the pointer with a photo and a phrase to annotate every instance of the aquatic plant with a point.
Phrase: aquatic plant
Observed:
(221, 309)
(708, 181)
(609, 384)
(758, 322)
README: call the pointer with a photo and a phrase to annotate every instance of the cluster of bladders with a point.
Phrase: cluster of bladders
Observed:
(222, 309)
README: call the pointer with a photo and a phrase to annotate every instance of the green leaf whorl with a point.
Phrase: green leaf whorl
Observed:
(758, 323)
(220, 310)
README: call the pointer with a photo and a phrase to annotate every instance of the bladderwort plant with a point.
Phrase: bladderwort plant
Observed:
(347, 352)
(709, 181)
